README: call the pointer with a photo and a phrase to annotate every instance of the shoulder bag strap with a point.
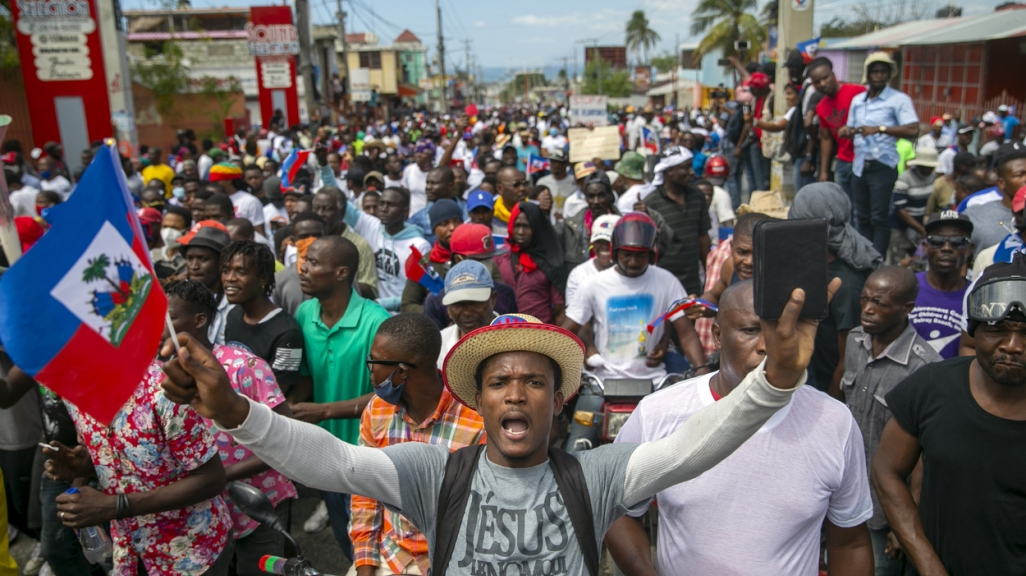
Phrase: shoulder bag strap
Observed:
(452, 502)
(574, 490)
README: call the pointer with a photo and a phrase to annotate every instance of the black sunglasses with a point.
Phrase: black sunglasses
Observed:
(937, 241)
(388, 362)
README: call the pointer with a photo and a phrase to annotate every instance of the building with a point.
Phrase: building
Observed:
(395, 71)
(614, 56)
(848, 55)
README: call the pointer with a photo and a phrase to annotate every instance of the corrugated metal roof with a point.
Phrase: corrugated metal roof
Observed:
(895, 36)
(993, 26)
(212, 35)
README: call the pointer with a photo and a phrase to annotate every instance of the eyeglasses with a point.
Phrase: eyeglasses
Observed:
(388, 362)
(517, 183)
(957, 242)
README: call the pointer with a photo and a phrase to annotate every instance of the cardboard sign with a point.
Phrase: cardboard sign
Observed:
(600, 142)
(588, 111)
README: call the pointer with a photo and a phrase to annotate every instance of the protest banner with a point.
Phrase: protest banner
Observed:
(600, 142)
(588, 111)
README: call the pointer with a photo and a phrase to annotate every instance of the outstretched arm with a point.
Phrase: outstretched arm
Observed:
(196, 378)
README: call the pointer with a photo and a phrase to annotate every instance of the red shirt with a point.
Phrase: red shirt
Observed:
(833, 113)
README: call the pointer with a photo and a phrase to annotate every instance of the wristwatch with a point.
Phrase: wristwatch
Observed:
(809, 157)
(883, 129)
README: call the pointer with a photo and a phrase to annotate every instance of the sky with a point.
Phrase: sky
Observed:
(532, 34)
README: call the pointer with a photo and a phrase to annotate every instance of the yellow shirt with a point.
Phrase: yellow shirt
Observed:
(161, 172)
(8, 567)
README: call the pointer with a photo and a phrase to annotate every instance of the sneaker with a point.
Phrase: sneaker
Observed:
(46, 570)
(13, 533)
(318, 520)
(35, 563)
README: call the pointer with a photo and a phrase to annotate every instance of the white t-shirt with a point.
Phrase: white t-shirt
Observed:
(721, 210)
(59, 184)
(772, 494)
(249, 207)
(415, 180)
(24, 201)
(389, 254)
(389, 183)
(578, 275)
(550, 143)
(573, 204)
(625, 203)
(270, 211)
(621, 308)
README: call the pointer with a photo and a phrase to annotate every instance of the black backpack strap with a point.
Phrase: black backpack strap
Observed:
(574, 490)
(452, 502)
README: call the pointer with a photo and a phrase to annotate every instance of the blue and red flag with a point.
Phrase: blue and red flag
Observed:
(290, 167)
(808, 49)
(536, 164)
(650, 140)
(420, 271)
(82, 311)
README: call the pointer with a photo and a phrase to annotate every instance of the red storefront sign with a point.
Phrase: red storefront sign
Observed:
(62, 66)
(274, 42)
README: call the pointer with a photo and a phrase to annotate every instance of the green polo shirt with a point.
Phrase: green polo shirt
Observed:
(336, 357)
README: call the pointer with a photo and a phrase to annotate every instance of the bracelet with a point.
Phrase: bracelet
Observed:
(124, 507)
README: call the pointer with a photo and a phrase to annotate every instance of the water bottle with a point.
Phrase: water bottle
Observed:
(95, 543)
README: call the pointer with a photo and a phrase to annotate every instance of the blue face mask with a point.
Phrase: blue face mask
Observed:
(178, 192)
(553, 132)
(45, 174)
(389, 391)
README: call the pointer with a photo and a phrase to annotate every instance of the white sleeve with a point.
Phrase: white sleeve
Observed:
(851, 503)
(311, 455)
(579, 309)
(704, 439)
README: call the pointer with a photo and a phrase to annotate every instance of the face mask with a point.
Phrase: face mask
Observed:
(389, 391)
(553, 132)
(178, 192)
(45, 174)
(301, 247)
(170, 235)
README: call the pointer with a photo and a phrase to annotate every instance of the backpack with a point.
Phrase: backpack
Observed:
(795, 137)
(452, 503)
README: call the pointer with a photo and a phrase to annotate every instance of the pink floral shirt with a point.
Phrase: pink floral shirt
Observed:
(153, 442)
(252, 377)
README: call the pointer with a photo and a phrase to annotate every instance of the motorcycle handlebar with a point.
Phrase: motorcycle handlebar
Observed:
(286, 566)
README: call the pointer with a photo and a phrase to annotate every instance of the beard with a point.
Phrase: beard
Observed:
(1004, 374)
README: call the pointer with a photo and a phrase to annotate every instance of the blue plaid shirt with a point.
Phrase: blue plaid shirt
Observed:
(889, 108)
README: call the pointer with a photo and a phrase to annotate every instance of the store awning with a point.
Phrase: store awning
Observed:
(408, 91)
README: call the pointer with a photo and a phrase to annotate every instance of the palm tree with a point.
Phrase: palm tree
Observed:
(639, 35)
(727, 21)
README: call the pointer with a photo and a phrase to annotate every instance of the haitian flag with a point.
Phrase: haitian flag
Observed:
(420, 271)
(536, 164)
(290, 167)
(649, 140)
(808, 49)
(82, 312)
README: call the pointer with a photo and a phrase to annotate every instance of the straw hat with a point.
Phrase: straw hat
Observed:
(512, 333)
(768, 203)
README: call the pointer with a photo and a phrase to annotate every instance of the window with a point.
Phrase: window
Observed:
(370, 60)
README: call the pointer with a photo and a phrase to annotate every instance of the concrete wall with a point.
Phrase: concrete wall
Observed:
(14, 103)
(189, 111)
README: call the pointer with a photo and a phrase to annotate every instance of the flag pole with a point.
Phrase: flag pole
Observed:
(8, 231)
(171, 330)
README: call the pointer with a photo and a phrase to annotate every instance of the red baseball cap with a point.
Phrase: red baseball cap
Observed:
(758, 81)
(1019, 201)
(473, 241)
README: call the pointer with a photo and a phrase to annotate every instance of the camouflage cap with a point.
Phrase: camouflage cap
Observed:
(631, 165)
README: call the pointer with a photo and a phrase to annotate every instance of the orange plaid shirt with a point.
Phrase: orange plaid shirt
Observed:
(380, 536)
(713, 263)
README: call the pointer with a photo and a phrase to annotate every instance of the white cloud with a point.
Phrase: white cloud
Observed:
(480, 24)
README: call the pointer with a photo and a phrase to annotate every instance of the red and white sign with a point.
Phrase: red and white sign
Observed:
(61, 54)
(274, 41)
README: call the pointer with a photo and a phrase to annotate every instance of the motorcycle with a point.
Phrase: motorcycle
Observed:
(257, 506)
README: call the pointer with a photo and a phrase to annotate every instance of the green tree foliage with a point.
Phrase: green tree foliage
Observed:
(615, 83)
(665, 62)
(165, 74)
(8, 38)
(723, 22)
(221, 93)
(639, 36)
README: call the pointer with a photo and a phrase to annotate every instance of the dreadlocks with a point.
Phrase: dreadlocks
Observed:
(195, 294)
(254, 254)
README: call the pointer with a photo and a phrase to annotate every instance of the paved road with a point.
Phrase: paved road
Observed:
(320, 548)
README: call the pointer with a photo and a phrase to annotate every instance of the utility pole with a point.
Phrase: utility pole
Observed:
(466, 67)
(441, 57)
(566, 77)
(345, 56)
(794, 26)
(676, 47)
(305, 55)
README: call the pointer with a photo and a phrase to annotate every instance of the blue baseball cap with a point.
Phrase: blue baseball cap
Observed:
(479, 198)
(468, 281)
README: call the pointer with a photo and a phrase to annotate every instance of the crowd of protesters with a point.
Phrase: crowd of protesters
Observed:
(347, 288)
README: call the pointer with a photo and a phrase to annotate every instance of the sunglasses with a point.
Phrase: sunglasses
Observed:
(957, 242)
(388, 362)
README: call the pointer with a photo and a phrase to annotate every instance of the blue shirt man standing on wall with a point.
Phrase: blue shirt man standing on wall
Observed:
(877, 119)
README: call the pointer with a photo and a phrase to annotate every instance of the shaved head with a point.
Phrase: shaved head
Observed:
(342, 252)
(904, 281)
(738, 296)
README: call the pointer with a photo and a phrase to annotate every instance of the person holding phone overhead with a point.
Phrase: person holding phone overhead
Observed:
(850, 257)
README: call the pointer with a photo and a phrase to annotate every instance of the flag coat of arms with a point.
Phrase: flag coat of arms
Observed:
(536, 164)
(418, 268)
(290, 167)
(82, 311)
(650, 140)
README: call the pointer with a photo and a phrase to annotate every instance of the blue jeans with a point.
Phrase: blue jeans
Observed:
(338, 517)
(759, 177)
(803, 181)
(843, 176)
(872, 199)
(884, 565)
(59, 544)
(675, 363)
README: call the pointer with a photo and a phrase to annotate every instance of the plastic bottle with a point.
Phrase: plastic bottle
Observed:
(95, 543)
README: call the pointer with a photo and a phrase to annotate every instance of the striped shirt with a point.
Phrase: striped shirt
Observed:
(688, 223)
(911, 193)
(382, 537)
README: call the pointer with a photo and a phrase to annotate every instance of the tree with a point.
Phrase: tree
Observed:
(615, 83)
(949, 11)
(867, 17)
(726, 22)
(165, 75)
(8, 37)
(665, 62)
(639, 36)
(222, 92)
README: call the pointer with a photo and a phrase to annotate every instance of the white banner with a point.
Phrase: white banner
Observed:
(588, 111)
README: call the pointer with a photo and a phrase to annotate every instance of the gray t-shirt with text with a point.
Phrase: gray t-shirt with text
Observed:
(515, 522)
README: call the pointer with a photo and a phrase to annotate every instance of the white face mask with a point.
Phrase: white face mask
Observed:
(170, 237)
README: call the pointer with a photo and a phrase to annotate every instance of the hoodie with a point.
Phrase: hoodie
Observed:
(390, 253)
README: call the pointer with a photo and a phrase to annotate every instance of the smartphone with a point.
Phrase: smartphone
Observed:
(789, 254)
(746, 109)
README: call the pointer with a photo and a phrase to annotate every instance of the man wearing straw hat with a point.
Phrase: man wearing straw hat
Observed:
(519, 502)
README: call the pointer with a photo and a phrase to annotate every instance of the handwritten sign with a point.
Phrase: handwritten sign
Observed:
(600, 142)
(588, 111)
